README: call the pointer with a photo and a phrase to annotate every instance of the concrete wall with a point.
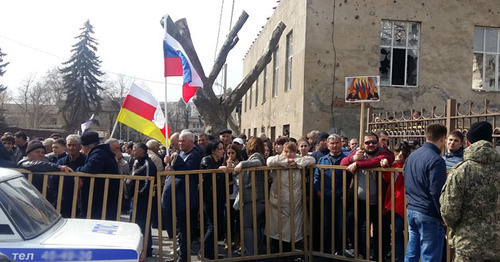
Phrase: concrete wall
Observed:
(287, 108)
(343, 39)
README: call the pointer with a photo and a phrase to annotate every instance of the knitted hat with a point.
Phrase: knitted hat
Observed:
(33, 145)
(480, 131)
(89, 137)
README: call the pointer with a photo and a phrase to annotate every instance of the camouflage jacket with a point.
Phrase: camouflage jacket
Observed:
(470, 203)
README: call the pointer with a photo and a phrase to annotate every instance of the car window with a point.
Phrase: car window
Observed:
(27, 209)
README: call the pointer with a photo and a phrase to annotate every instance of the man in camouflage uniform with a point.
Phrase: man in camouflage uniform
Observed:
(470, 201)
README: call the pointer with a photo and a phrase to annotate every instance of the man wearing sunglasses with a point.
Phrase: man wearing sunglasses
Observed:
(368, 157)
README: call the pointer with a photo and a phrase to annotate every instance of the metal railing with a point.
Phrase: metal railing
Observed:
(281, 209)
(402, 126)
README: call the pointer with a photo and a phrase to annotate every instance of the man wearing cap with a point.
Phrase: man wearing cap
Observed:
(225, 137)
(34, 161)
(21, 145)
(470, 201)
(238, 142)
(100, 160)
(322, 147)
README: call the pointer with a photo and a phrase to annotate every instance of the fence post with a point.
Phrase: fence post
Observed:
(451, 111)
(368, 119)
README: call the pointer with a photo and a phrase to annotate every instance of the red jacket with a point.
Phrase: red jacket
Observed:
(399, 191)
(369, 162)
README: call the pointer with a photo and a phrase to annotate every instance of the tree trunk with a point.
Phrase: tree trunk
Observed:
(216, 111)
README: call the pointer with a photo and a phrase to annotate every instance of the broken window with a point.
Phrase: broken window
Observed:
(485, 69)
(399, 53)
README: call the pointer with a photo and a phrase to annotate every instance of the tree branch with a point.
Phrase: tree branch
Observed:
(236, 95)
(231, 40)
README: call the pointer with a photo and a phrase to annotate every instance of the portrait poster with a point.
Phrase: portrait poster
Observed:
(362, 89)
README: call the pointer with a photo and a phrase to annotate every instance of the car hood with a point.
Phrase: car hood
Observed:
(84, 233)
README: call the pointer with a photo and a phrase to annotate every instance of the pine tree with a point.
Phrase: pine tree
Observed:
(81, 80)
(2, 68)
(2, 87)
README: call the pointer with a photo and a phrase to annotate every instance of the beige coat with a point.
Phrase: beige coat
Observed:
(298, 215)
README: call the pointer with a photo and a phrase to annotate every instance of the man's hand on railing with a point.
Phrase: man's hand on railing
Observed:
(384, 162)
(352, 167)
(223, 169)
(66, 169)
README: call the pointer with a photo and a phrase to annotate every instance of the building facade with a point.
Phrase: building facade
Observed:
(425, 52)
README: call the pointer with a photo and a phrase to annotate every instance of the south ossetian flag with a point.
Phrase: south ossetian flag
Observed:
(177, 63)
(142, 112)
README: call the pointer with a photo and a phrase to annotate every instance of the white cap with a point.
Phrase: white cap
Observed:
(238, 140)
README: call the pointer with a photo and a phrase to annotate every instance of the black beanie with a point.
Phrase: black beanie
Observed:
(33, 145)
(480, 131)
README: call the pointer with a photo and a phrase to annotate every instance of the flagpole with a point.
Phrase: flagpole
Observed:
(114, 128)
(166, 115)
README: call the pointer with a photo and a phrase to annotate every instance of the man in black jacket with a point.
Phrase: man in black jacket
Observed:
(143, 167)
(100, 160)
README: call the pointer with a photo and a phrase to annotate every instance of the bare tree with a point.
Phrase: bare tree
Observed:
(34, 99)
(216, 111)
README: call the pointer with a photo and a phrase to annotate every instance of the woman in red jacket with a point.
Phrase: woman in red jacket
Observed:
(401, 153)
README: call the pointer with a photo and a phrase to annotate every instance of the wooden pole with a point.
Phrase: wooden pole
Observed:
(361, 125)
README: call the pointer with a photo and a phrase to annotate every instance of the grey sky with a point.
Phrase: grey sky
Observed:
(38, 35)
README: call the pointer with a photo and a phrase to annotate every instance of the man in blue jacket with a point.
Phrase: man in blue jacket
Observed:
(334, 157)
(425, 175)
(454, 149)
(100, 160)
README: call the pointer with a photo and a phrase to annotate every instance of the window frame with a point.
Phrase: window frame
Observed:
(406, 47)
(289, 61)
(484, 53)
(275, 72)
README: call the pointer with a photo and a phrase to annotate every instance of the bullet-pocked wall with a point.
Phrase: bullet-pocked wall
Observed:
(423, 50)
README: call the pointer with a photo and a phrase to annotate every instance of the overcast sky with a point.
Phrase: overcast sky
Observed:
(38, 35)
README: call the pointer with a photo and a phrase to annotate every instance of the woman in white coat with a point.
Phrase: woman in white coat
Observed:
(288, 158)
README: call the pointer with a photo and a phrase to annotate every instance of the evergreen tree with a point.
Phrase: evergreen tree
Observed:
(81, 80)
(2, 87)
(2, 68)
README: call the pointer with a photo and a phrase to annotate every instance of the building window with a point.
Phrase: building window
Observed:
(245, 103)
(275, 72)
(289, 56)
(250, 98)
(399, 53)
(485, 69)
(257, 92)
(273, 133)
(264, 86)
(255, 131)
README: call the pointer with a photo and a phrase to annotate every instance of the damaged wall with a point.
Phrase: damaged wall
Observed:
(341, 38)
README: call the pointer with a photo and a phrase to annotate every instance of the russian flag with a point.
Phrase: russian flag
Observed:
(177, 63)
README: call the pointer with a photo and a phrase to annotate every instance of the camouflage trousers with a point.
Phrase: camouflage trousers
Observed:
(461, 258)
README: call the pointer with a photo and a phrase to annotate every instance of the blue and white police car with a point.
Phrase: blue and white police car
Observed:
(32, 230)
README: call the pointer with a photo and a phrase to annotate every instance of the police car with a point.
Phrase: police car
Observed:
(32, 230)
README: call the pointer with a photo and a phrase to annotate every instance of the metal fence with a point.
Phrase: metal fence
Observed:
(404, 126)
(330, 224)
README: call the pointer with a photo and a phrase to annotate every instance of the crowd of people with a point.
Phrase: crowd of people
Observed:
(467, 199)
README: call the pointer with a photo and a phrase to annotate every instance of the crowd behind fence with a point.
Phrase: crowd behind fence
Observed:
(338, 225)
